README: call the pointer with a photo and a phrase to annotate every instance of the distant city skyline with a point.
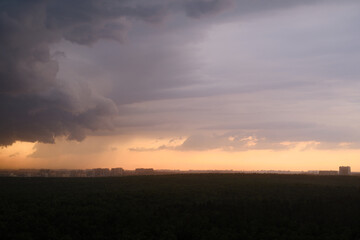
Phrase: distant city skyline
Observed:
(120, 172)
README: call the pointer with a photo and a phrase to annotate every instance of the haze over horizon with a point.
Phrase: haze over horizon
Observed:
(180, 84)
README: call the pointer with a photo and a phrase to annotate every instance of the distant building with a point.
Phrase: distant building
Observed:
(328, 172)
(44, 172)
(77, 173)
(117, 172)
(101, 172)
(344, 170)
(90, 172)
(144, 171)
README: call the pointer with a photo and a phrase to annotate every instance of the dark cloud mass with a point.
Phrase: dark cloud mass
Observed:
(199, 8)
(34, 104)
(260, 74)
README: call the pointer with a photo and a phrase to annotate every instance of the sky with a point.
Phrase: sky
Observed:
(180, 84)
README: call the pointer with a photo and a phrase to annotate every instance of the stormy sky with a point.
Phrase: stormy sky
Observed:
(200, 75)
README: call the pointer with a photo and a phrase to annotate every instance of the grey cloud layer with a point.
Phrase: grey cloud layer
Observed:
(35, 105)
(288, 76)
(276, 77)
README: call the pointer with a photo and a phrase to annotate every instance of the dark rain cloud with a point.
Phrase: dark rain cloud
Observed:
(34, 104)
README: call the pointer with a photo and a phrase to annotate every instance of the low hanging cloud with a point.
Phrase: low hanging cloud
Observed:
(235, 143)
(225, 142)
(35, 105)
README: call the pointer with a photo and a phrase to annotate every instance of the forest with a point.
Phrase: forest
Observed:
(183, 207)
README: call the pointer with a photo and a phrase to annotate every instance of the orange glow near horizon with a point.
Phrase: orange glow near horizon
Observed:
(14, 156)
(117, 154)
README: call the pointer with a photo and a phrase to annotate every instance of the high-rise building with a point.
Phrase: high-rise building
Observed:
(344, 170)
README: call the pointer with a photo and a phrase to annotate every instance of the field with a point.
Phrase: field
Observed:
(184, 207)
